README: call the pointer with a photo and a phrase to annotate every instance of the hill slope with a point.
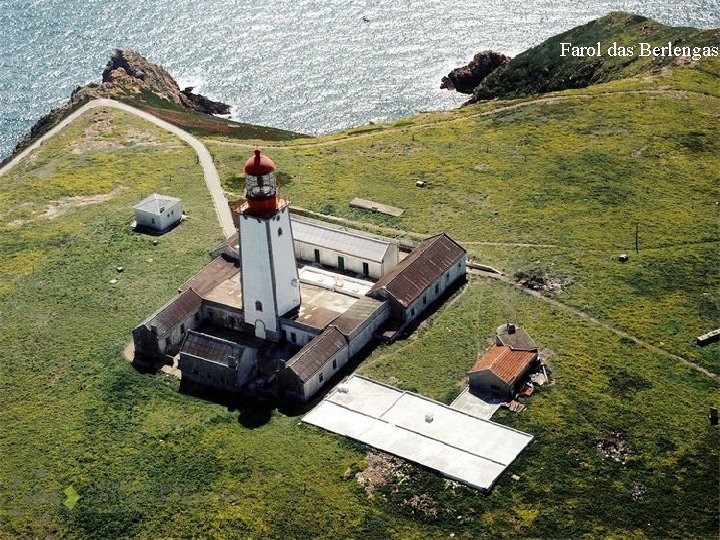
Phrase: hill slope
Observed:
(555, 186)
(543, 68)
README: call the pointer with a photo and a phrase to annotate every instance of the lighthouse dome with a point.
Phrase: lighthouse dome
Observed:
(259, 165)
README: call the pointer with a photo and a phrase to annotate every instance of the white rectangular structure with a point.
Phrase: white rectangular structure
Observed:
(460, 446)
(270, 284)
(344, 249)
(158, 212)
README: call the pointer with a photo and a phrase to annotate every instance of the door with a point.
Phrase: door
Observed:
(317, 256)
(341, 263)
(260, 329)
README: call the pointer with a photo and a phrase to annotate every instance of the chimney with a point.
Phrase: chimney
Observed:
(510, 328)
(232, 361)
(153, 329)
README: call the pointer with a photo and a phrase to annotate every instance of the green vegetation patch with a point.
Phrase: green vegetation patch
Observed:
(544, 68)
(566, 181)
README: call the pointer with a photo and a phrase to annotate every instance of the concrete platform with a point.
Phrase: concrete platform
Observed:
(479, 406)
(333, 281)
(373, 206)
(460, 446)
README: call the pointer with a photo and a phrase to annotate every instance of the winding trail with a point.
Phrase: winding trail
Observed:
(581, 314)
(204, 158)
(460, 117)
(225, 217)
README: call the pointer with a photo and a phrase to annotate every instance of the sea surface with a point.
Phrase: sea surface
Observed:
(308, 66)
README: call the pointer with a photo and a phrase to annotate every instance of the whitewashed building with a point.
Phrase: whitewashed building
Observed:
(304, 325)
(343, 249)
(422, 277)
(158, 213)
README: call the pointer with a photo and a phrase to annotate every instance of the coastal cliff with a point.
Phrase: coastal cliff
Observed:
(127, 74)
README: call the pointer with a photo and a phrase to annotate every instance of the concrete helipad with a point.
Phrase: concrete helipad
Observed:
(461, 446)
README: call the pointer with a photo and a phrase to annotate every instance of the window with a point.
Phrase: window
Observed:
(447, 277)
(317, 256)
(437, 288)
(335, 363)
(412, 312)
(341, 262)
(424, 300)
(321, 377)
(258, 305)
(458, 265)
(167, 343)
(366, 269)
(293, 337)
(232, 321)
(152, 220)
(279, 231)
(182, 328)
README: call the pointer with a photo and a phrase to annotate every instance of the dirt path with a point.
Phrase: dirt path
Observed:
(493, 112)
(204, 158)
(590, 318)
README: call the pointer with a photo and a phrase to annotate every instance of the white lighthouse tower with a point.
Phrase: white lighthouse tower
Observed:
(270, 285)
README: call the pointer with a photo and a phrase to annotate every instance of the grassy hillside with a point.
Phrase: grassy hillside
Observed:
(571, 177)
(201, 124)
(554, 186)
(543, 68)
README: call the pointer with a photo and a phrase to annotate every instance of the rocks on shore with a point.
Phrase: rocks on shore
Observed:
(127, 73)
(466, 78)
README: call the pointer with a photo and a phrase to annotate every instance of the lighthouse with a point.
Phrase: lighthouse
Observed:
(270, 284)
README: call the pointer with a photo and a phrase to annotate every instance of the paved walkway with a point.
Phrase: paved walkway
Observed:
(479, 406)
(204, 158)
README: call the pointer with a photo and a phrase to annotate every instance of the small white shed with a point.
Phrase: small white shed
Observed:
(157, 212)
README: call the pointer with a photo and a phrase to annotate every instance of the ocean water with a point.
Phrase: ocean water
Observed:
(309, 66)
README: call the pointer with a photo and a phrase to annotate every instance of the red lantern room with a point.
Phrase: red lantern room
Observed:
(260, 184)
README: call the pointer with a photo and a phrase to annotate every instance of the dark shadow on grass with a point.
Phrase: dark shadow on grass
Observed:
(146, 364)
(254, 415)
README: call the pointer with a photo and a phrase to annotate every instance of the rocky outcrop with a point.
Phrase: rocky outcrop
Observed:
(127, 74)
(466, 78)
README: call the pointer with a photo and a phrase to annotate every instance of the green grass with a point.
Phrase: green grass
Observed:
(579, 175)
(201, 124)
(544, 69)
(151, 462)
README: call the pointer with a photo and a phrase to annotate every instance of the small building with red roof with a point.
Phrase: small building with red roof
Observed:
(503, 369)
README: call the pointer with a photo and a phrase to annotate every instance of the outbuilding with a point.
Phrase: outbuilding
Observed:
(216, 362)
(314, 364)
(157, 213)
(344, 249)
(502, 370)
(422, 277)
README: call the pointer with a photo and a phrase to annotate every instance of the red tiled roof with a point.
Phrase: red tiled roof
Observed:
(504, 362)
(416, 272)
